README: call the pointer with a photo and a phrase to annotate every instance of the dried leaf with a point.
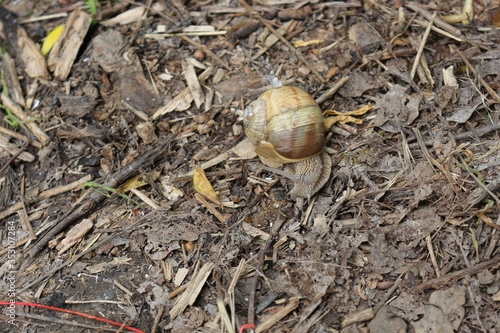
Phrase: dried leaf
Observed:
(202, 185)
(345, 117)
(358, 112)
(396, 109)
(138, 181)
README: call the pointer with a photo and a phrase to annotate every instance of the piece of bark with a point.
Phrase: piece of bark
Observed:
(109, 49)
(193, 83)
(146, 131)
(111, 52)
(77, 106)
(65, 50)
(193, 289)
(70, 132)
(132, 15)
(244, 28)
(19, 136)
(13, 150)
(11, 79)
(295, 14)
(74, 235)
(14, 38)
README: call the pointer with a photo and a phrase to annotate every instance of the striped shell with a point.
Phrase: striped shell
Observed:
(285, 124)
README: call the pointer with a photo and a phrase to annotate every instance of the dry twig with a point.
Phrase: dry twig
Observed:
(439, 281)
(207, 51)
(439, 22)
(473, 70)
(286, 42)
(95, 198)
(422, 45)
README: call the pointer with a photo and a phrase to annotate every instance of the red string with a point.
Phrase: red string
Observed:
(244, 327)
(74, 312)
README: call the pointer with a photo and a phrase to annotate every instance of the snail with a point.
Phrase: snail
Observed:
(286, 126)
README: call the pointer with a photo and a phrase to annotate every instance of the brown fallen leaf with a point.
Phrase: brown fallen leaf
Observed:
(202, 185)
(345, 117)
(138, 181)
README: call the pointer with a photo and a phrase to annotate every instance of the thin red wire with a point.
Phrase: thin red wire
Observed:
(244, 327)
(75, 312)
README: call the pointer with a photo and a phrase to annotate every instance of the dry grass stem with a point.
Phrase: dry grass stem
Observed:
(428, 242)
(193, 289)
(483, 83)
(422, 45)
(274, 319)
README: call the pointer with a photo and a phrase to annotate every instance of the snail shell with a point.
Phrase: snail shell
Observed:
(286, 125)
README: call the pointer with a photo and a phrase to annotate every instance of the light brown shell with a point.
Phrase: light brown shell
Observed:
(285, 124)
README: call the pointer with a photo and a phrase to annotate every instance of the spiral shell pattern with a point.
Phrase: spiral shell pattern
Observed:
(287, 118)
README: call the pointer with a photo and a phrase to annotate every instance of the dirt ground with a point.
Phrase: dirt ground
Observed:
(126, 192)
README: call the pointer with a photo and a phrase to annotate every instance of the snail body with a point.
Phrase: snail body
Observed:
(286, 126)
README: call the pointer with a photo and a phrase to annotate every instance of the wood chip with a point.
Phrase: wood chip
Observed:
(254, 232)
(74, 235)
(277, 316)
(11, 79)
(65, 50)
(131, 15)
(14, 38)
(180, 276)
(358, 317)
(13, 150)
(192, 290)
(193, 83)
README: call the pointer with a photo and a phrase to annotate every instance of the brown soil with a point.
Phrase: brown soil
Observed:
(100, 215)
